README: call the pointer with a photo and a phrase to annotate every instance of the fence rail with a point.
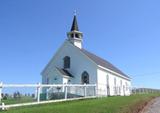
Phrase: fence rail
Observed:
(66, 92)
(62, 92)
(136, 90)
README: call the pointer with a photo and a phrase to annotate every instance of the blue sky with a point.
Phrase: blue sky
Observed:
(125, 32)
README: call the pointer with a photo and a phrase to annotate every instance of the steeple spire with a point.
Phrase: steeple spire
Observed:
(75, 36)
(74, 24)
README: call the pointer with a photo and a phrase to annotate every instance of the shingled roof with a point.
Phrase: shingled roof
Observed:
(102, 62)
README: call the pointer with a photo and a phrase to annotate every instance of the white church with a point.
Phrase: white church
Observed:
(72, 64)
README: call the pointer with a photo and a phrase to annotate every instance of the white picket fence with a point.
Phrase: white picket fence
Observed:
(84, 90)
(39, 87)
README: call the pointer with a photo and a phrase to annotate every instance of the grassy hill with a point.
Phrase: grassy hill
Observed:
(128, 104)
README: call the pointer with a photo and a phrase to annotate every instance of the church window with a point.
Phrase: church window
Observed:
(66, 62)
(115, 86)
(126, 86)
(85, 78)
(72, 35)
(77, 35)
(120, 88)
(121, 83)
(115, 82)
(107, 80)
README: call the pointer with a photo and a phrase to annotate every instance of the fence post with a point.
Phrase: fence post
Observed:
(95, 89)
(85, 90)
(3, 106)
(35, 93)
(47, 93)
(65, 91)
(38, 92)
(144, 91)
(1, 91)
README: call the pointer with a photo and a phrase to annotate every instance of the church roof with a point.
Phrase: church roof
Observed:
(64, 72)
(74, 24)
(102, 62)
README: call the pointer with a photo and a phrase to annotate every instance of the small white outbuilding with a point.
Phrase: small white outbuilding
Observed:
(72, 64)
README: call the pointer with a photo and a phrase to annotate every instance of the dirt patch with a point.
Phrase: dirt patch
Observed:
(148, 105)
(139, 107)
(153, 106)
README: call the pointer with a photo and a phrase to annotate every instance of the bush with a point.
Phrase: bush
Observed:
(43, 96)
(5, 98)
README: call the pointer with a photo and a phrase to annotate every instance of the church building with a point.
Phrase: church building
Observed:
(72, 64)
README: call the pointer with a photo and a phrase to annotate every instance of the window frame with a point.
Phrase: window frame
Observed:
(66, 62)
(85, 77)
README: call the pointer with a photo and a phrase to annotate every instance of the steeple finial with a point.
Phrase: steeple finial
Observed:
(75, 12)
(74, 23)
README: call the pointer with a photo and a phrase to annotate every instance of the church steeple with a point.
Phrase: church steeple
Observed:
(74, 24)
(75, 36)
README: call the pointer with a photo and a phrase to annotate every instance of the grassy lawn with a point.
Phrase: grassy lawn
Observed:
(15, 101)
(128, 104)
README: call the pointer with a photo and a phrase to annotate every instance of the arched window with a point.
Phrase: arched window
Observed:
(126, 86)
(108, 86)
(121, 83)
(115, 81)
(66, 62)
(85, 78)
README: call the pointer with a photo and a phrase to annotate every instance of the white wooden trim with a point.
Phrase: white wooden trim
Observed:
(42, 102)
(45, 85)
(117, 74)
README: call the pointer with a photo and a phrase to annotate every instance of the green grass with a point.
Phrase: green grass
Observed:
(23, 99)
(128, 104)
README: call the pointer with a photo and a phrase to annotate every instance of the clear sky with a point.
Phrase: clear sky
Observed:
(124, 32)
